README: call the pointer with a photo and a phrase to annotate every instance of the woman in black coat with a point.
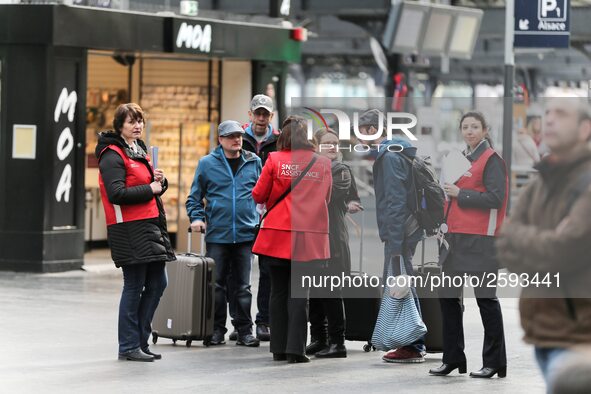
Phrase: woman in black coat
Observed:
(136, 228)
(475, 212)
(327, 315)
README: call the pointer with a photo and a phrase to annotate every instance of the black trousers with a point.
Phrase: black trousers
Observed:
(493, 350)
(288, 316)
(327, 319)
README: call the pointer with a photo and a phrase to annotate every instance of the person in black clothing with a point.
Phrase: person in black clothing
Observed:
(260, 138)
(327, 315)
(136, 227)
(476, 210)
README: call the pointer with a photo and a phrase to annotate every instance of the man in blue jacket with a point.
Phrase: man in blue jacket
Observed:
(225, 179)
(397, 227)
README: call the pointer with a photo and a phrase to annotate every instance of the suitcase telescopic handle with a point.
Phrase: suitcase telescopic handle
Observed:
(361, 241)
(423, 255)
(189, 242)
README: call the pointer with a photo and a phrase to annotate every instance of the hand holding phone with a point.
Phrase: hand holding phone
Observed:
(354, 207)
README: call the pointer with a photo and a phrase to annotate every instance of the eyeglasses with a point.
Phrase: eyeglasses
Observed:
(232, 136)
(262, 112)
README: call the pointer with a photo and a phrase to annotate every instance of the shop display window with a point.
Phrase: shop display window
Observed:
(100, 109)
(180, 100)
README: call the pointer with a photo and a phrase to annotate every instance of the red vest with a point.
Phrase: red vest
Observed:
(137, 173)
(475, 220)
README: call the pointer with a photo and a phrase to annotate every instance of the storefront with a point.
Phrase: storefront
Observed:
(181, 96)
(63, 71)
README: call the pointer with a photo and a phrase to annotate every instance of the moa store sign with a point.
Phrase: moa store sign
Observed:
(193, 37)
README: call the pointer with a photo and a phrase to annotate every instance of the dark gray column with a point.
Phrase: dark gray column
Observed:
(42, 199)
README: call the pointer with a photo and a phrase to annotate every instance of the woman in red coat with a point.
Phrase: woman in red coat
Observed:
(294, 234)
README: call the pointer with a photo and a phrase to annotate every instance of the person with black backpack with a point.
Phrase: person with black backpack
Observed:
(395, 204)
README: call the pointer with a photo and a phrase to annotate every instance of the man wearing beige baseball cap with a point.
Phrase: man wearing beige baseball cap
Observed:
(261, 138)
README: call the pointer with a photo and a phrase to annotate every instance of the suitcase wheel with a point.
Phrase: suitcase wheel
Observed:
(369, 347)
(207, 342)
(154, 338)
(188, 343)
(174, 341)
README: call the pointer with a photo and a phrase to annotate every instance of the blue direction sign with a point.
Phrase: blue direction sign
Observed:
(542, 23)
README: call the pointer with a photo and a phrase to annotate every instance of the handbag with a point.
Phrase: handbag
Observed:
(399, 322)
(257, 227)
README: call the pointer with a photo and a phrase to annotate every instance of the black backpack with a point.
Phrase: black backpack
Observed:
(428, 207)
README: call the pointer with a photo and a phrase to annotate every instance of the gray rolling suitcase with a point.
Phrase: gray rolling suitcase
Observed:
(186, 309)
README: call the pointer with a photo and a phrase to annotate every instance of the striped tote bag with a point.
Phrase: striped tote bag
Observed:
(399, 322)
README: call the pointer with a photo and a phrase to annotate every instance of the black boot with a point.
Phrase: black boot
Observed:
(296, 358)
(446, 369)
(333, 351)
(279, 357)
(315, 346)
(263, 333)
(487, 372)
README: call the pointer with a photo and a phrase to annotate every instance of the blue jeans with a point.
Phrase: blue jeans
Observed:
(408, 250)
(237, 260)
(546, 358)
(143, 285)
(263, 296)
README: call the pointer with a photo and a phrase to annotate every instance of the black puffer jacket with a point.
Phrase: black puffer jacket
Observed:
(270, 145)
(138, 241)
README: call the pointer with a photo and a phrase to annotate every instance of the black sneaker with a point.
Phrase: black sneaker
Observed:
(247, 340)
(136, 355)
(263, 332)
(217, 339)
(233, 335)
(150, 353)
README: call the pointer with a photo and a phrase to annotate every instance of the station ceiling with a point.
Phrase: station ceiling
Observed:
(340, 31)
(501, 3)
(344, 40)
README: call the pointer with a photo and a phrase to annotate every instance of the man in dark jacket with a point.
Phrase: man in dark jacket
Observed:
(261, 138)
(547, 237)
(397, 228)
(225, 179)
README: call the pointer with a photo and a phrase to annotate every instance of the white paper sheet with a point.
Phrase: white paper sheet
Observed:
(453, 166)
